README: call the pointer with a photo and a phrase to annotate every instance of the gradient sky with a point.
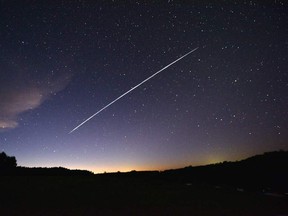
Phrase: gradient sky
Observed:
(61, 61)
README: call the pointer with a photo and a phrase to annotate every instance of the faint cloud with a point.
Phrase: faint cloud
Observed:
(6, 124)
(19, 95)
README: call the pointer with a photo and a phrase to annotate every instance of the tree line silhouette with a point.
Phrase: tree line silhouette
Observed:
(268, 172)
(8, 166)
(7, 163)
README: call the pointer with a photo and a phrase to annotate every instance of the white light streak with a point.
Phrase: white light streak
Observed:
(99, 111)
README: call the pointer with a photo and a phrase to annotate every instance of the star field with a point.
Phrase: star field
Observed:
(62, 61)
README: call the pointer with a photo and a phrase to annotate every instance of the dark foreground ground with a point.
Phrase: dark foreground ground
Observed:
(129, 195)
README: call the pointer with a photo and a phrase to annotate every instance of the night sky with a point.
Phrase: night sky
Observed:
(62, 61)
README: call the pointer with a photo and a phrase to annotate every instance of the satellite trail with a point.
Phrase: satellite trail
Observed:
(131, 90)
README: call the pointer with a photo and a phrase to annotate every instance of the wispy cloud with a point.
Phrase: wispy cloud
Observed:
(19, 95)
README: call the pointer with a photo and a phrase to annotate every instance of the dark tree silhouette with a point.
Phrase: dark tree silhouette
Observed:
(7, 162)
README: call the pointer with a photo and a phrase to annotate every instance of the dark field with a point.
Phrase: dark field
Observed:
(126, 194)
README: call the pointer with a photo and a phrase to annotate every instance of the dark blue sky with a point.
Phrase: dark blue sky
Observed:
(61, 61)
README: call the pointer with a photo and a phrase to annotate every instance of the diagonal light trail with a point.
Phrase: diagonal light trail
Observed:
(132, 90)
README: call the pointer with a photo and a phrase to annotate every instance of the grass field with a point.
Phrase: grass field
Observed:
(128, 195)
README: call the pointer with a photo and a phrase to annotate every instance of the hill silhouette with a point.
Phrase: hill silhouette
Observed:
(266, 172)
(228, 188)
